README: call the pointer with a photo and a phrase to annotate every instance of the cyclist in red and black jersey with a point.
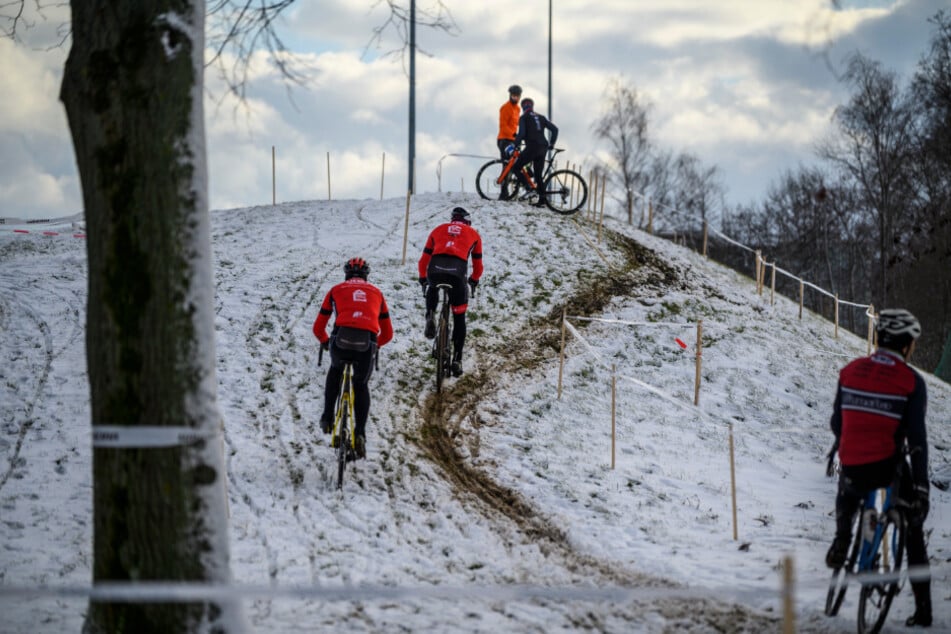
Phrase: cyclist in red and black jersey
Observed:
(879, 409)
(361, 325)
(445, 259)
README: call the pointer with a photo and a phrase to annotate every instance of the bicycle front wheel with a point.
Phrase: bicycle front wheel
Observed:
(876, 597)
(565, 192)
(343, 446)
(487, 179)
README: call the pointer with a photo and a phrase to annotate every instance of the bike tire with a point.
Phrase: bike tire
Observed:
(487, 177)
(875, 599)
(343, 448)
(565, 192)
(840, 576)
(442, 343)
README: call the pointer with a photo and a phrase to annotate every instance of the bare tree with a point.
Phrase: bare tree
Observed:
(874, 146)
(623, 124)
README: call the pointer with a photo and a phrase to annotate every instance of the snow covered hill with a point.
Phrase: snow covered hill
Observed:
(494, 507)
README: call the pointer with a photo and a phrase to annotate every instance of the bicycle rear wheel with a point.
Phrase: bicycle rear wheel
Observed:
(840, 576)
(876, 598)
(565, 192)
(442, 344)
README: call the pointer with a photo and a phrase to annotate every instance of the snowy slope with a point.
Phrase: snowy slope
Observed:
(495, 507)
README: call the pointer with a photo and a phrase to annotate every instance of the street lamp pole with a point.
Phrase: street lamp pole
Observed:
(549, 61)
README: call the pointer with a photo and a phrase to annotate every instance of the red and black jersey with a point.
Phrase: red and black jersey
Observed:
(880, 403)
(357, 304)
(456, 239)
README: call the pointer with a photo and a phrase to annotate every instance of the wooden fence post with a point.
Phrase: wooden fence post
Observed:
(871, 327)
(733, 482)
(772, 286)
(801, 295)
(613, 411)
(561, 362)
(382, 174)
(406, 225)
(328, 176)
(836, 315)
(789, 607)
(273, 176)
(696, 382)
(601, 215)
(758, 265)
(705, 238)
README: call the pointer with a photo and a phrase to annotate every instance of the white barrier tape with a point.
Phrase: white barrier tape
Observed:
(634, 323)
(168, 592)
(145, 436)
(42, 221)
(730, 240)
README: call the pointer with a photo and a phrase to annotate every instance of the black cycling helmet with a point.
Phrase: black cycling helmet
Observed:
(461, 215)
(528, 103)
(896, 328)
(515, 89)
(356, 267)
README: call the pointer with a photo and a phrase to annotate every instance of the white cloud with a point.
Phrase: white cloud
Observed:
(725, 79)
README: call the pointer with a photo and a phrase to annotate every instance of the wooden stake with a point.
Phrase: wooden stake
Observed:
(871, 328)
(733, 482)
(758, 265)
(601, 215)
(802, 288)
(772, 286)
(273, 176)
(789, 607)
(382, 174)
(328, 176)
(406, 226)
(696, 382)
(613, 411)
(836, 315)
(704, 238)
(561, 363)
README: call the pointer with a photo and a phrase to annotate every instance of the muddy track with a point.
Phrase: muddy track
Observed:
(452, 419)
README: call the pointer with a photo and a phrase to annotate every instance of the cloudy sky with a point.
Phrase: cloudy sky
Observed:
(747, 85)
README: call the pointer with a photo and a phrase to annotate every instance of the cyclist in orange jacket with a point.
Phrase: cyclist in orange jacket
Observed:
(361, 325)
(445, 259)
(508, 120)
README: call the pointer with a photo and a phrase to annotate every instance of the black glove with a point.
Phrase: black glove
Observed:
(325, 345)
(919, 505)
(472, 285)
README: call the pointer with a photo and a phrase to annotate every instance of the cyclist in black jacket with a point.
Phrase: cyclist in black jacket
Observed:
(531, 130)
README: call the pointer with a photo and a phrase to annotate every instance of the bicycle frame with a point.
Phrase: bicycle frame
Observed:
(343, 437)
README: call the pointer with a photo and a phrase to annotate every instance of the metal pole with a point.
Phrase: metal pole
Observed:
(411, 159)
(550, 109)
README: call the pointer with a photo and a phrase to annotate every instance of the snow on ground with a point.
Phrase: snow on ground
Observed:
(495, 507)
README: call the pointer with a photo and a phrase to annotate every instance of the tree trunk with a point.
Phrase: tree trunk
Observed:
(132, 88)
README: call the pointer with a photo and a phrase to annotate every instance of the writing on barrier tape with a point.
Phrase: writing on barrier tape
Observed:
(144, 436)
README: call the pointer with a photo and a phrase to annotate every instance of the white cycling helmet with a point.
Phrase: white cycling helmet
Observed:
(897, 327)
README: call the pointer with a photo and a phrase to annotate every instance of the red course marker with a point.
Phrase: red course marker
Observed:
(681, 343)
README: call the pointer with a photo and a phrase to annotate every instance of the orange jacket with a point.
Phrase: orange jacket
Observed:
(508, 120)
(457, 239)
(358, 304)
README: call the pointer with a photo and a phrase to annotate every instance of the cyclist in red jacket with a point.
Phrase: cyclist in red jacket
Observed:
(361, 325)
(879, 407)
(445, 259)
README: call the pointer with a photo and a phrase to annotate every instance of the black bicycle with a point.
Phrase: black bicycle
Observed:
(875, 560)
(565, 190)
(442, 343)
(343, 437)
